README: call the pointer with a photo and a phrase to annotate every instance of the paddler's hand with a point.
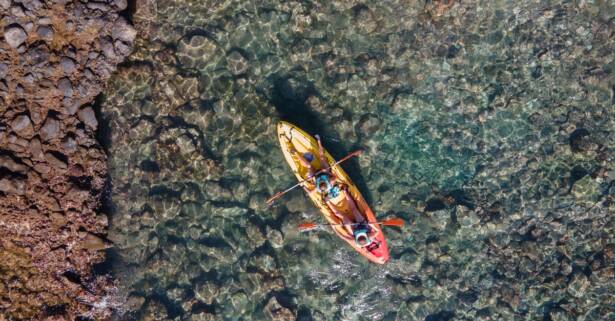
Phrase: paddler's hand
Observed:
(320, 149)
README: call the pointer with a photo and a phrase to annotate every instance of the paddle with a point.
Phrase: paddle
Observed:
(279, 194)
(303, 227)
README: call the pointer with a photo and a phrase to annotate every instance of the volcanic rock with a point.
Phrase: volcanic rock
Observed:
(43, 178)
(14, 36)
(22, 126)
(88, 116)
(50, 129)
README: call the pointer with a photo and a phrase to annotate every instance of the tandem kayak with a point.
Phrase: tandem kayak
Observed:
(291, 136)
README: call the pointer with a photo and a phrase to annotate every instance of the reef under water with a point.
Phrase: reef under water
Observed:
(488, 126)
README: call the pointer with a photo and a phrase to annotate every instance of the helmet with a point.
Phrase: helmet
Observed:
(360, 236)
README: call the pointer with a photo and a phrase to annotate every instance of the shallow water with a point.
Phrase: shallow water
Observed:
(488, 127)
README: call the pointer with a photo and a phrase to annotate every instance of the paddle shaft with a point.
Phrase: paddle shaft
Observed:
(390, 222)
(278, 195)
(343, 224)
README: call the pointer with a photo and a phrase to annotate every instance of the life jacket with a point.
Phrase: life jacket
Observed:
(331, 191)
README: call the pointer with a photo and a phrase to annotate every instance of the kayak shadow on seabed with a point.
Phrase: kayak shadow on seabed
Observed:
(288, 96)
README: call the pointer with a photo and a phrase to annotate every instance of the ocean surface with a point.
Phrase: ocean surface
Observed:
(488, 127)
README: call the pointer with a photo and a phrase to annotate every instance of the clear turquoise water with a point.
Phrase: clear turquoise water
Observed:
(488, 127)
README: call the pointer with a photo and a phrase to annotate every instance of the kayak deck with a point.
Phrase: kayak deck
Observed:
(291, 136)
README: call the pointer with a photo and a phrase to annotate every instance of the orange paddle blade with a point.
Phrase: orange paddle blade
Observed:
(393, 222)
(307, 226)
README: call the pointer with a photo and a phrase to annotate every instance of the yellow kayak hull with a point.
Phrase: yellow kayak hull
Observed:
(291, 136)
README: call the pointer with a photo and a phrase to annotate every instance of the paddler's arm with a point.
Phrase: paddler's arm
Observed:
(304, 162)
(321, 152)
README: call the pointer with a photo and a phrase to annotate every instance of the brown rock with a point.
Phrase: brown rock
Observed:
(50, 130)
(437, 8)
(17, 144)
(68, 65)
(22, 126)
(57, 219)
(8, 163)
(87, 116)
(69, 144)
(45, 32)
(75, 197)
(93, 242)
(55, 162)
(5, 4)
(123, 31)
(36, 150)
(42, 168)
(65, 87)
(70, 107)
(14, 186)
(53, 204)
(14, 36)
(54, 66)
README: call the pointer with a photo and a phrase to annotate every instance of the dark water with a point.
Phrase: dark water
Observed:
(487, 126)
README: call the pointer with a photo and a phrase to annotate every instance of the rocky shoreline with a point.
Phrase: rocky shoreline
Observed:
(55, 57)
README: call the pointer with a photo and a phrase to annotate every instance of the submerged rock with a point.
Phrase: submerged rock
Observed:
(275, 312)
(197, 51)
(586, 188)
(202, 316)
(503, 179)
(581, 140)
(237, 63)
(206, 292)
(578, 286)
